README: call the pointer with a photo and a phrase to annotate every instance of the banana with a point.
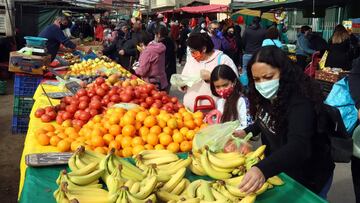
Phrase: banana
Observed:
(132, 199)
(196, 167)
(218, 196)
(72, 164)
(228, 155)
(93, 195)
(248, 199)
(85, 170)
(179, 187)
(234, 181)
(206, 191)
(258, 152)
(270, 186)
(93, 154)
(191, 189)
(275, 180)
(220, 187)
(251, 162)
(169, 165)
(60, 196)
(175, 179)
(223, 163)
(210, 171)
(262, 157)
(152, 154)
(235, 171)
(263, 188)
(86, 179)
(161, 160)
(111, 164)
(129, 171)
(78, 161)
(235, 191)
(170, 171)
(72, 186)
(189, 200)
(147, 188)
(225, 170)
(104, 166)
(135, 188)
(129, 183)
(166, 196)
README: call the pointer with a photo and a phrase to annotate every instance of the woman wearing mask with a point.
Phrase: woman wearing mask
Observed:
(204, 58)
(233, 51)
(152, 61)
(287, 106)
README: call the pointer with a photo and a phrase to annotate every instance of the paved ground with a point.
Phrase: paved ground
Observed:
(11, 149)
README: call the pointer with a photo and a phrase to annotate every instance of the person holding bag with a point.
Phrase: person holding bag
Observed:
(287, 106)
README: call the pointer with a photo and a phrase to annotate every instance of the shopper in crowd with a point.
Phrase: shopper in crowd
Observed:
(233, 51)
(317, 43)
(55, 37)
(161, 35)
(272, 38)
(204, 58)
(303, 49)
(136, 30)
(217, 37)
(287, 105)
(75, 29)
(253, 37)
(184, 32)
(99, 31)
(154, 24)
(341, 49)
(224, 84)
(152, 61)
(174, 31)
(201, 26)
(239, 43)
(123, 49)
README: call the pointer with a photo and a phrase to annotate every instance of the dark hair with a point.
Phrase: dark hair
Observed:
(145, 38)
(184, 22)
(272, 33)
(198, 41)
(162, 30)
(304, 28)
(225, 72)
(340, 34)
(292, 81)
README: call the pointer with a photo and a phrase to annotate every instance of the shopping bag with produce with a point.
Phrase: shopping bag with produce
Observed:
(215, 136)
(179, 80)
(237, 144)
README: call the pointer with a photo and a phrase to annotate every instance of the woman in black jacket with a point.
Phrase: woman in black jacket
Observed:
(343, 48)
(287, 105)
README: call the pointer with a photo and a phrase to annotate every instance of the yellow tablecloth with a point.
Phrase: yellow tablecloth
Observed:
(31, 146)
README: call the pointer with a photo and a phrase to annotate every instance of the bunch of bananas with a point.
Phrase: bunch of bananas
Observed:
(224, 165)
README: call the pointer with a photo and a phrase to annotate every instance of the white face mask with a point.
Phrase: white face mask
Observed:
(202, 25)
(268, 89)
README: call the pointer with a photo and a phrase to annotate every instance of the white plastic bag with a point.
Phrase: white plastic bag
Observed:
(179, 80)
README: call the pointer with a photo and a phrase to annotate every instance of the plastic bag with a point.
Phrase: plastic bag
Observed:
(179, 80)
(215, 136)
(127, 106)
(236, 144)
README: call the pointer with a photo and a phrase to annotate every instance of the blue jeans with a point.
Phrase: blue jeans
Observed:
(246, 58)
(326, 188)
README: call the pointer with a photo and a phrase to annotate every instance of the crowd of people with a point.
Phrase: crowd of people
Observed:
(279, 102)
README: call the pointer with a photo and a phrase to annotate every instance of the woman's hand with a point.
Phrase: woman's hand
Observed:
(252, 181)
(240, 133)
(205, 74)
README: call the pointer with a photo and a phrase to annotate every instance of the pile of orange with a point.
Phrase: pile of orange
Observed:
(127, 131)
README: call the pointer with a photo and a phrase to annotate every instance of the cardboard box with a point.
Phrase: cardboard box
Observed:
(21, 63)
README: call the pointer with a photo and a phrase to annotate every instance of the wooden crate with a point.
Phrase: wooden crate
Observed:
(329, 76)
(34, 64)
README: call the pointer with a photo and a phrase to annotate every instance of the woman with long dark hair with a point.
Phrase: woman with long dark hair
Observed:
(287, 106)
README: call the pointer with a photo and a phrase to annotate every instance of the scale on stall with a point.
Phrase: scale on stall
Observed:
(47, 159)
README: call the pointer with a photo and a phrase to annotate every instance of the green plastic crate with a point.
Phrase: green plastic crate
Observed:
(22, 105)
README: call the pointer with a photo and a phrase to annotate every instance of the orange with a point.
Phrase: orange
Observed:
(120, 110)
(190, 124)
(128, 120)
(119, 153)
(185, 146)
(203, 125)
(114, 120)
(66, 123)
(40, 131)
(70, 140)
(190, 135)
(128, 130)
(73, 135)
(161, 123)
(137, 149)
(107, 125)
(43, 139)
(141, 116)
(131, 113)
(138, 125)
(81, 139)
(155, 129)
(70, 130)
(198, 115)
(96, 132)
(198, 121)
(97, 141)
(148, 147)
(97, 119)
(165, 117)
(74, 145)
(50, 134)
(90, 124)
(184, 130)
(137, 141)
(152, 139)
(165, 139)
(154, 111)
(63, 146)
(159, 147)
(178, 115)
(173, 147)
(115, 130)
(180, 123)
(168, 130)
(108, 138)
(178, 137)
(143, 132)
(150, 121)
(62, 135)
(48, 127)
(126, 142)
(118, 138)
(54, 140)
(100, 150)
(114, 145)
(127, 152)
(187, 116)
(182, 110)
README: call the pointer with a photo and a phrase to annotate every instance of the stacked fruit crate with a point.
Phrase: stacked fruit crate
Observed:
(24, 88)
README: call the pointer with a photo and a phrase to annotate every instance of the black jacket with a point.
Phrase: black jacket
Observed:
(341, 55)
(170, 57)
(128, 45)
(301, 151)
(253, 38)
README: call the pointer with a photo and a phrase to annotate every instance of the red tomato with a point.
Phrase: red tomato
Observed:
(105, 87)
(71, 108)
(59, 120)
(77, 114)
(137, 94)
(81, 92)
(45, 118)
(75, 102)
(125, 97)
(157, 105)
(84, 116)
(144, 96)
(158, 101)
(150, 86)
(99, 80)
(115, 98)
(165, 99)
(83, 105)
(95, 104)
(100, 91)
(144, 104)
(66, 115)
(135, 101)
(110, 104)
(112, 92)
(84, 98)
(67, 99)
(149, 101)
(93, 112)
(129, 92)
(78, 124)
(174, 100)
(157, 95)
(52, 115)
(105, 101)
(48, 109)
(96, 97)
(39, 112)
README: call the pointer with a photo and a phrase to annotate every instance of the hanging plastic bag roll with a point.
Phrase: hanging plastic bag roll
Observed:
(179, 80)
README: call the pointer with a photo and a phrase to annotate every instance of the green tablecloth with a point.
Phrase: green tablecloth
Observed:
(40, 184)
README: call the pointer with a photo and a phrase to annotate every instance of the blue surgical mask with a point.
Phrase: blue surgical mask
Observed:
(268, 89)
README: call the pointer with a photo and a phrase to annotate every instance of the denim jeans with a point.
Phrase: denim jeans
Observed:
(326, 188)
(245, 60)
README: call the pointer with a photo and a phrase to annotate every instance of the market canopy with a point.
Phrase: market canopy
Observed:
(213, 8)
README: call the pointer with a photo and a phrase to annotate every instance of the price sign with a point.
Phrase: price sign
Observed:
(47, 159)
(59, 95)
(73, 87)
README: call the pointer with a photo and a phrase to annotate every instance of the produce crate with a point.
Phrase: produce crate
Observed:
(22, 105)
(20, 124)
(25, 85)
(329, 76)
